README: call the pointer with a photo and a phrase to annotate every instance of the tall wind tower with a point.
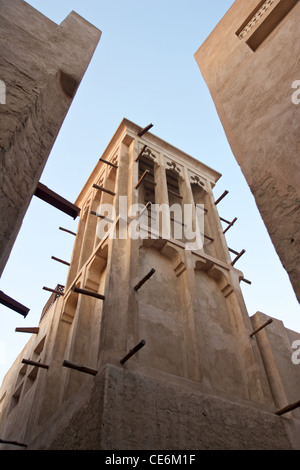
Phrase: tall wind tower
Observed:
(149, 344)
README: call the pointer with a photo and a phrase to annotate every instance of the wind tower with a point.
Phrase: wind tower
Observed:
(149, 344)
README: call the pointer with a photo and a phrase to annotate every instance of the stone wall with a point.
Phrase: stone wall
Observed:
(142, 412)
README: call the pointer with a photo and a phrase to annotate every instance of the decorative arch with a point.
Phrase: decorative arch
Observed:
(169, 250)
(216, 272)
(175, 256)
(95, 268)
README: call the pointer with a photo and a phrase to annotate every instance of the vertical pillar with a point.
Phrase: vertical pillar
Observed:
(220, 243)
(83, 329)
(119, 329)
(76, 249)
(86, 235)
(161, 189)
(187, 194)
(196, 353)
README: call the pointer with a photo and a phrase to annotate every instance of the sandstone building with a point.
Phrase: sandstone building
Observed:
(149, 344)
(41, 67)
(250, 63)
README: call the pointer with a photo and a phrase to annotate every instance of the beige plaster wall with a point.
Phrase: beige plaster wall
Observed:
(252, 92)
(127, 410)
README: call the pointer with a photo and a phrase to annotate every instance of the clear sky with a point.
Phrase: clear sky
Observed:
(143, 69)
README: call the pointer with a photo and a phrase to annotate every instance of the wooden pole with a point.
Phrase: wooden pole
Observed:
(33, 331)
(133, 351)
(141, 153)
(141, 178)
(143, 210)
(55, 200)
(221, 197)
(60, 260)
(36, 364)
(174, 193)
(139, 285)
(79, 367)
(288, 408)
(108, 191)
(87, 292)
(230, 225)
(208, 238)
(102, 216)
(146, 129)
(246, 280)
(108, 163)
(13, 304)
(53, 291)
(261, 327)
(224, 220)
(238, 257)
(68, 231)
(12, 443)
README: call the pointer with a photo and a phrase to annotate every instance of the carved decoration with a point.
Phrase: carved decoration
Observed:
(101, 181)
(148, 153)
(195, 179)
(260, 12)
(95, 268)
(174, 167)
(114, 160)
(167, 249)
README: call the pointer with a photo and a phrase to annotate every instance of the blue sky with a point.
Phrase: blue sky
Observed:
(143, 69)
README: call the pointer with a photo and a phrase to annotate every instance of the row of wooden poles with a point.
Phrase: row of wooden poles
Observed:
(96, 295)
(62, 204)
(72, 365)
(83, 368)
(132, 352)
(49, 196)
(230, 224)
(67, 207)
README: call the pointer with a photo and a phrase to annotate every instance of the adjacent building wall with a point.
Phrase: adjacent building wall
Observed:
(250, 63)
(280, 350)
(41, 67)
